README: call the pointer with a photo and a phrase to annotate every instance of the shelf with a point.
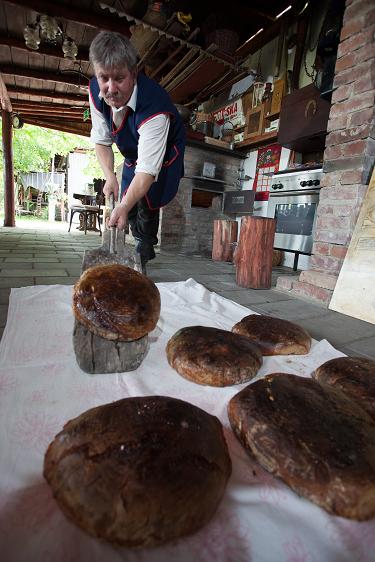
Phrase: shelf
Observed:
(257, 141)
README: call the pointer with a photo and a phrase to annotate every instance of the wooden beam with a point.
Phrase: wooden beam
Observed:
(44, 49)
(9, 205)
(46, 94)
(6, 115)
(63, 116)
(47, 106)
(67, 127)
(62, 78)
(5, 102)
(86, 16)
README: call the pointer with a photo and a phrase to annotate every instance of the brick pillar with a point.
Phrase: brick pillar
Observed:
(349, 153)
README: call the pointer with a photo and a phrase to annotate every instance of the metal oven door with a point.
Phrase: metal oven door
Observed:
(295, 215)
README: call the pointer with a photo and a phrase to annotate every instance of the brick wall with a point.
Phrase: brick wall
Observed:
(349, 154)
(186, 229)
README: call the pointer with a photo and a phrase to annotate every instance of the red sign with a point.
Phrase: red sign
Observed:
(230, 112)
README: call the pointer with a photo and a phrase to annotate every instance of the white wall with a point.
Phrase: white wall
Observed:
(78, 180)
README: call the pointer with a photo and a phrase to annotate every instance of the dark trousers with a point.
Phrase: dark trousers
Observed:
(144, 224)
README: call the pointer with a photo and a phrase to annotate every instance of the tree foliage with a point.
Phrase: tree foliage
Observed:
(33, 147)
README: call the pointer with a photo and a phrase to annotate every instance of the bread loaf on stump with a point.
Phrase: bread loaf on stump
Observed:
(313, 437)
(140, 471)
(355, 376)
(274, 336)
(115, 307)
(212, 356)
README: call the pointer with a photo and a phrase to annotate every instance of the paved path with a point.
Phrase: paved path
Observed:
(32, 255)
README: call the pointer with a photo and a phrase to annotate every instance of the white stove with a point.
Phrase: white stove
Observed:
(296, 180)
(293, 202)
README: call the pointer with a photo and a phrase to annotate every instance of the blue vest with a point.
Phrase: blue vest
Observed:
(152, 100)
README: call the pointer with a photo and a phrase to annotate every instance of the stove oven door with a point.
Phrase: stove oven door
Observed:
(295, 214)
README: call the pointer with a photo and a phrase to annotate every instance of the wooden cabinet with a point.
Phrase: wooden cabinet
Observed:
(303, 120)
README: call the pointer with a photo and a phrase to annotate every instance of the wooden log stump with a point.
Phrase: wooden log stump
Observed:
(95, 354)
(224, 239)
(253, 256)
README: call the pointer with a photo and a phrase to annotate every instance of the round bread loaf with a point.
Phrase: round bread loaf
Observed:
(212, 356)
(274, 336)
(321, 443)
(140, 471)
(353, 375)
(116, 302)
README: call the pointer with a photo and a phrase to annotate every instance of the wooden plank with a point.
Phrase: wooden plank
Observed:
(199, 77)
(354, 291)
(183, 62)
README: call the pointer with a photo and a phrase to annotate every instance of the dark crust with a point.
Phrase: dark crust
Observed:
(313, 437)
(274, 336)
(116, 302)
(140, 471)
(355, 376)
(212, 356)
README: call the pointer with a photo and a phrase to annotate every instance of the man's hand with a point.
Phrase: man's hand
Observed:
(119, 217)
(111, 186)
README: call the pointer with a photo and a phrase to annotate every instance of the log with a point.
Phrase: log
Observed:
(95, 354)
(224, 239)
(253, 256)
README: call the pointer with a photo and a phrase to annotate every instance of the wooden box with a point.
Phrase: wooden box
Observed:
(254, 122)
(303, 120)
(277, 96)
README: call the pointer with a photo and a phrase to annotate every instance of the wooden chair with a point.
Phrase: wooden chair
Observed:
(89, 215)
(38, 208)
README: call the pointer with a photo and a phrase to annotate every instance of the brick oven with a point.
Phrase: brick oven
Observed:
(187, 222)
(348, 156)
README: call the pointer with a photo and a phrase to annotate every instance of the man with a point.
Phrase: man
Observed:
(138, 115)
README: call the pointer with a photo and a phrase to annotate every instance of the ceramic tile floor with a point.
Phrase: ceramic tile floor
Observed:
(45, 254)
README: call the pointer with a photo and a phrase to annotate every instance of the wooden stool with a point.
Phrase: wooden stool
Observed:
(253, 256)
(224, 239)
(95, 354)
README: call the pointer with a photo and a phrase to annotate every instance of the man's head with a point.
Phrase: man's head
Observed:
(115, 65)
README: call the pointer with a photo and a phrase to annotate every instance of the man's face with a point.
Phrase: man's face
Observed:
(116, 84)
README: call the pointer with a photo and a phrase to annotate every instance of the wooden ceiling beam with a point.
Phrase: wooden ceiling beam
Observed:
(86, 17)
(82, 129)
(61, 78)
(40, 115)
(47, 106)
(20, 108)
(44, 49)
(46, 94)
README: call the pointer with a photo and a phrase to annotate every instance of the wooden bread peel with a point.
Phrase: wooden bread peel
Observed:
(113, 249)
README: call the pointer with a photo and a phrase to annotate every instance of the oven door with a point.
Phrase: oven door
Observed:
(295, 215)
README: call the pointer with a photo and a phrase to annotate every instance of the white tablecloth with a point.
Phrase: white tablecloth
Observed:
(41, 387)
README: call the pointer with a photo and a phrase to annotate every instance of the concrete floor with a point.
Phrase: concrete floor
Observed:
(39, 253)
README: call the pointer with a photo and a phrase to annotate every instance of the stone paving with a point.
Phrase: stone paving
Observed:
(45, 253)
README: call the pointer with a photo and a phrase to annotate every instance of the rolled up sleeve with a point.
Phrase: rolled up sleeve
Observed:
(99, 133)
(152, 144)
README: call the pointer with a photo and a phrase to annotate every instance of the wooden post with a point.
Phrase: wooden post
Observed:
(9, 207)
(253, 257)
(6, 115)
(224, 239)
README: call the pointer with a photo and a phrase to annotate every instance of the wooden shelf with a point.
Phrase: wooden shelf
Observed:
(257, 141)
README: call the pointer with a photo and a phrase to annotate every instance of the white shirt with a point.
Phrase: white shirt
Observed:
(152, 135)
